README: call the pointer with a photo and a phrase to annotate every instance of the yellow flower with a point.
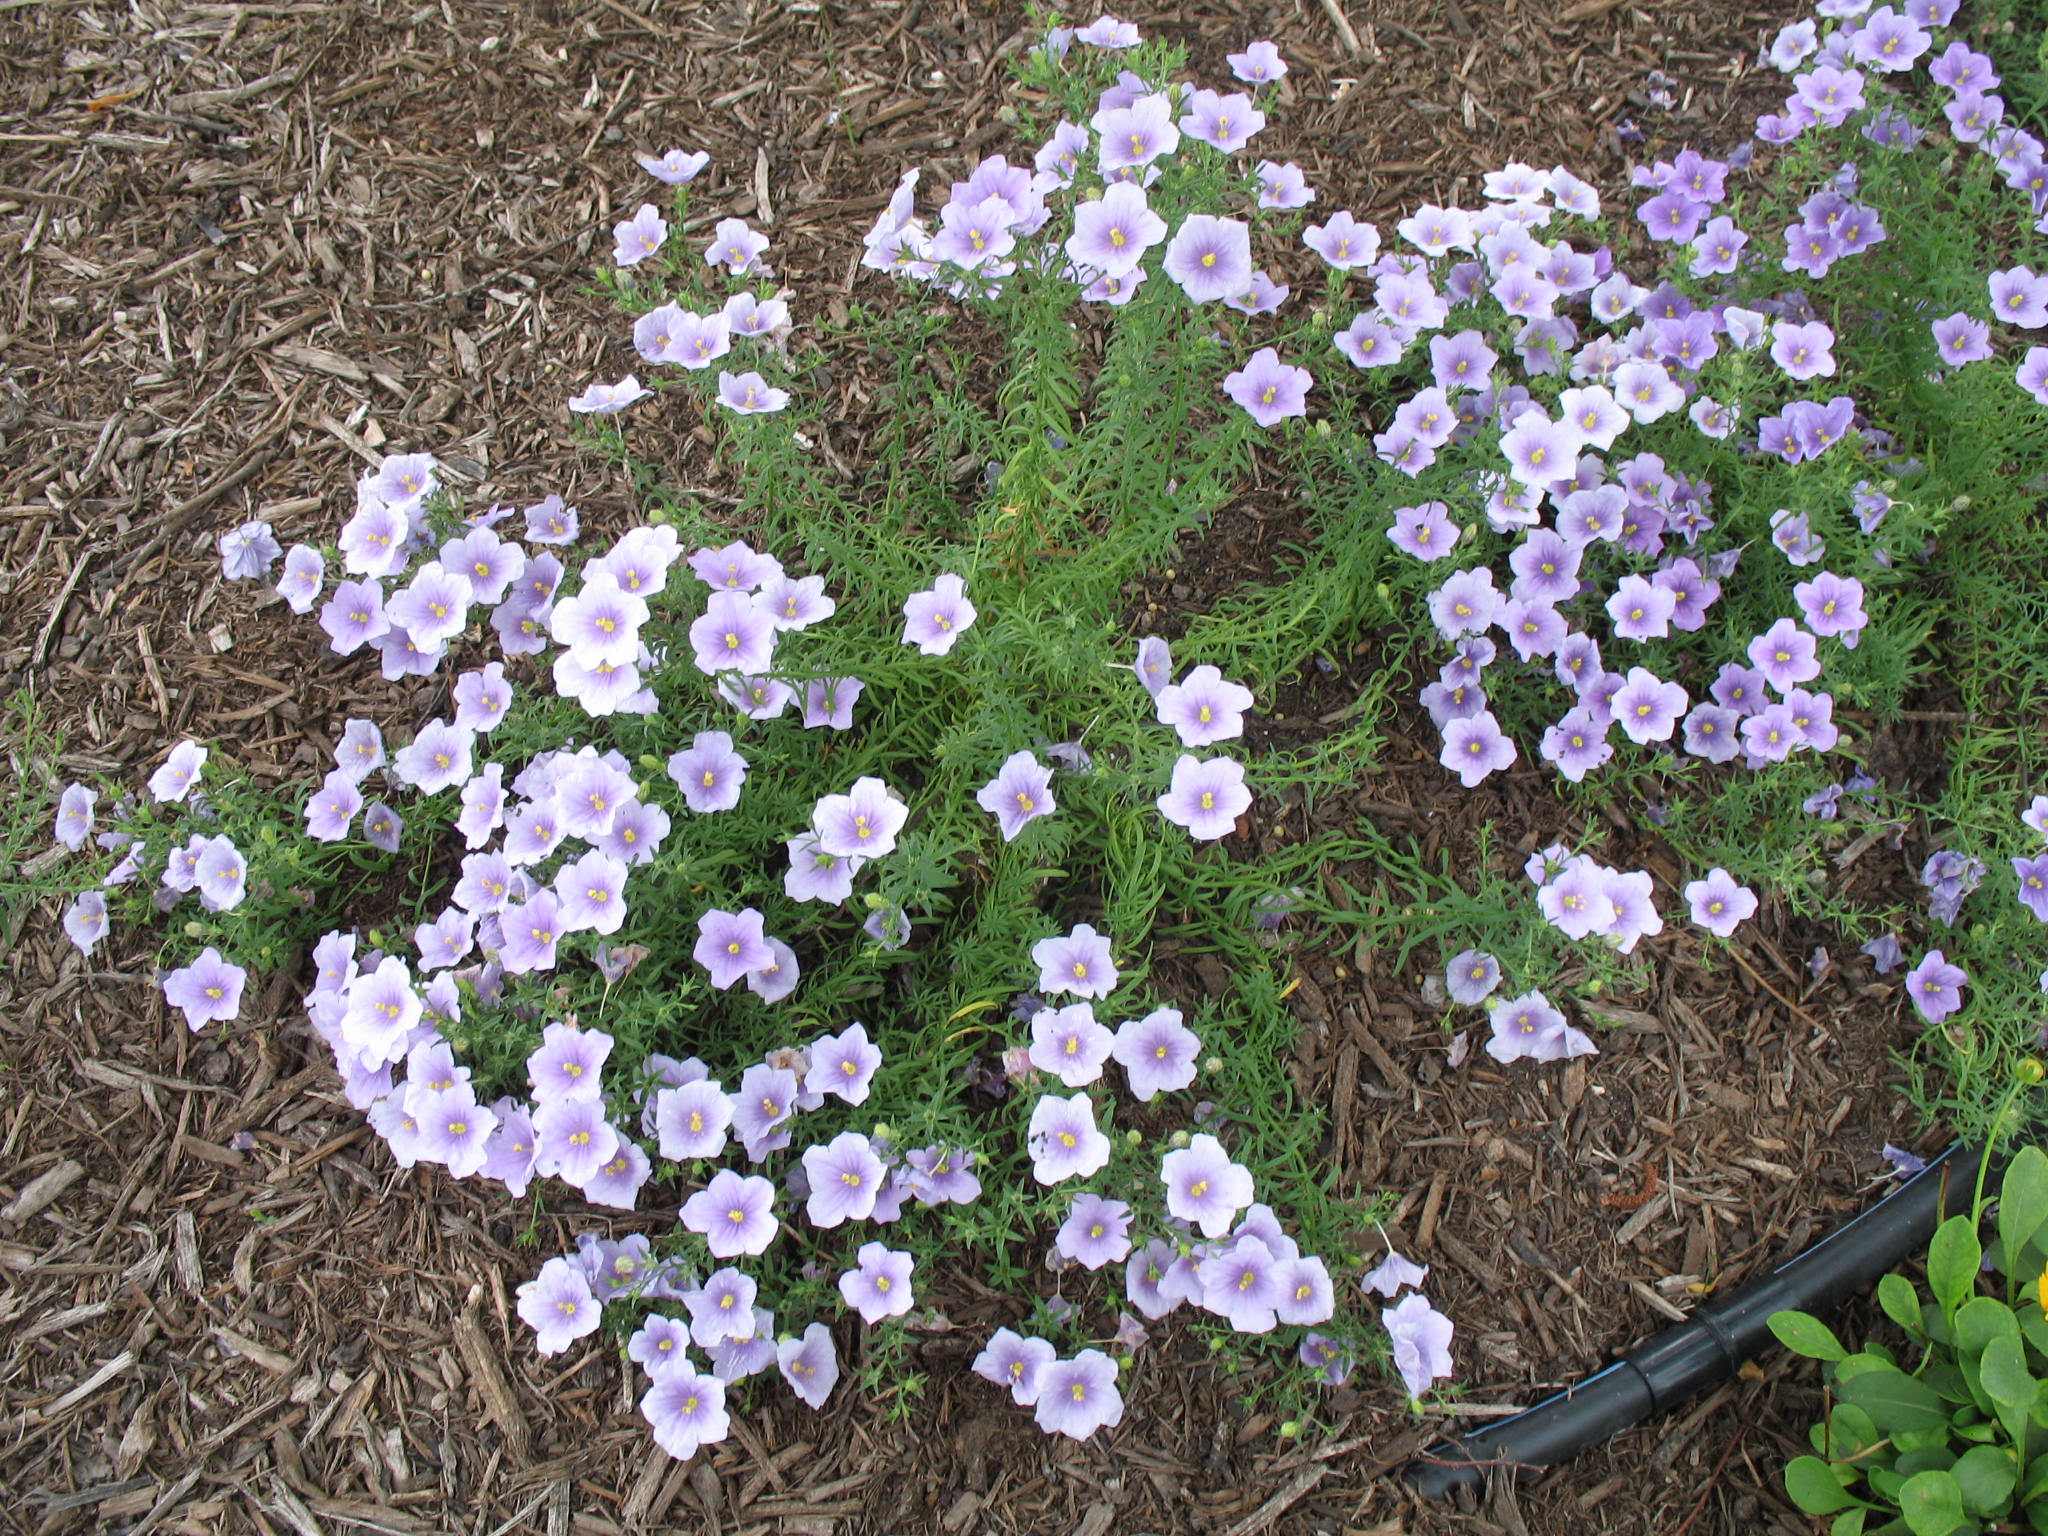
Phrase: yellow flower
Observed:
(2041, 1290)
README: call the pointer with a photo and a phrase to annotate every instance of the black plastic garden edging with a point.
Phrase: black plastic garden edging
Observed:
(1713, 1343)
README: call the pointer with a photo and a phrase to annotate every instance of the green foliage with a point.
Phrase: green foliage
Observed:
(1958, 1442)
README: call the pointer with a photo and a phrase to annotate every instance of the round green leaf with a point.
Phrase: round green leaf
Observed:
(1986, 1475)
(1805, 1334)
(1814, 1487)
(1932, 1504)
(1901, 1304)
(1952, 1261)
(1894, 1400)
(2023, 1202)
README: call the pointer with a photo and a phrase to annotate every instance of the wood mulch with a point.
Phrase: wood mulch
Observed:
(250, 246)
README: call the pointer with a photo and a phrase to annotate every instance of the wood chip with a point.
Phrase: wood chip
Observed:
(42, 1189)
(482, 1360)
(249, 1349)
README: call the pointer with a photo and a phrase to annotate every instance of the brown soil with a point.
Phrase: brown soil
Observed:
(254, 244)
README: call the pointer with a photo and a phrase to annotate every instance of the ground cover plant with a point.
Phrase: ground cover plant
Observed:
(1096, 479)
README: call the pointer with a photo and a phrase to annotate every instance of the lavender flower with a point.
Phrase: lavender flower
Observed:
(935, 618)
(1020, 793)
(1529, 1027)
(1079, 1396)
(1647, 708)
(735, 246)
(1210, 258)
(1961, 339)
(691, 1120)
(1718, 903)
(1077, 961)
(1112, 234)
(75, 815)
(1204, 1186)
(1205, 797)
(1063, 1140)
(763, 1106)
(1786, 655)
(1471, 976)
(608, 399)
(1393, 1272)
(734, 1214)
(2033, 878)
(732, 635)
(748, 394)
(674, 167)
(558, 1306)
(1203, 708)
(575, 1139)
(1259, 63)
(172, 782)
(709, 773)
(85, 920)
(1016, 1363)
(1425, 531)
(1157, 1053)
(845, 1177)
(878, 1285)
(862, 823)
(1096, 1232)
(1475, 747)
(1936, 986)
(686, 1411)
(1422, 1342)
(1068, 1043)
(246, 553)
(810, 1365)
(730, 944)
(1242, 1284)
(829, 701)
(1268, 389)
(1885, 954)
(1226, 123)
(207, 990)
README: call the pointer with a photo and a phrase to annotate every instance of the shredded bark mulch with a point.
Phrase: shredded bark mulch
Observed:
(257, 244)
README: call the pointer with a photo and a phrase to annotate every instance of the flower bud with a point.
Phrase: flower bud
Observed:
(1177, 1140)
(2030, 1070)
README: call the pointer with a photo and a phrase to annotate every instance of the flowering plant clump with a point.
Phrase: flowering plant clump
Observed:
(809, 861)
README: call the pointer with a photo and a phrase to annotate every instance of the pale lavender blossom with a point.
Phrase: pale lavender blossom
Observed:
(815, 875)
(941, 1175)
(1832, 605)
(1096, 1232)
(1203, 1186)
(735, 246)
(748, 394)
(1269, 390)
(843, 1064)
(1528, 1027)
(1210, 258)
(935, 618)
(373, 541)
(674, 167)
(1079, 1396)
(1014, 1363)
(600, 399)
(709, 773)
(481, 698)
(730, 944)
(1205, 797)
(305, 573)
(879, 1284)
(172, 782)
(1157, 1053)
(1204, 707)
(778, 978)
(691, 1119)
(1371, 343)
(732, 635)
(1425, 531)
(1786, 655)
(1647, 708)
(75, 815)
(686, 1411)
(793, 602)
(1422, 1342)
(861, 823)
(2032, 875)
(1936, 986)
(845, 1176)
(1063, 1140)
(1393, 1272)
(734, 1214)
(246, 552)
(1113, 233)
(1021, 792)
(446, 941)
(1069, 1044)
(810, 1365)
(1283, 186)
(1241, 1284)
(437, 759)
(207, 990)
(1470, 977)
(1258, 64)
(1466, 604)
(1475, 747)
(1077, 961)
(1961, 339)
(85, 920)
(1343, 242)
(1640, 609)
(558, 1306)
